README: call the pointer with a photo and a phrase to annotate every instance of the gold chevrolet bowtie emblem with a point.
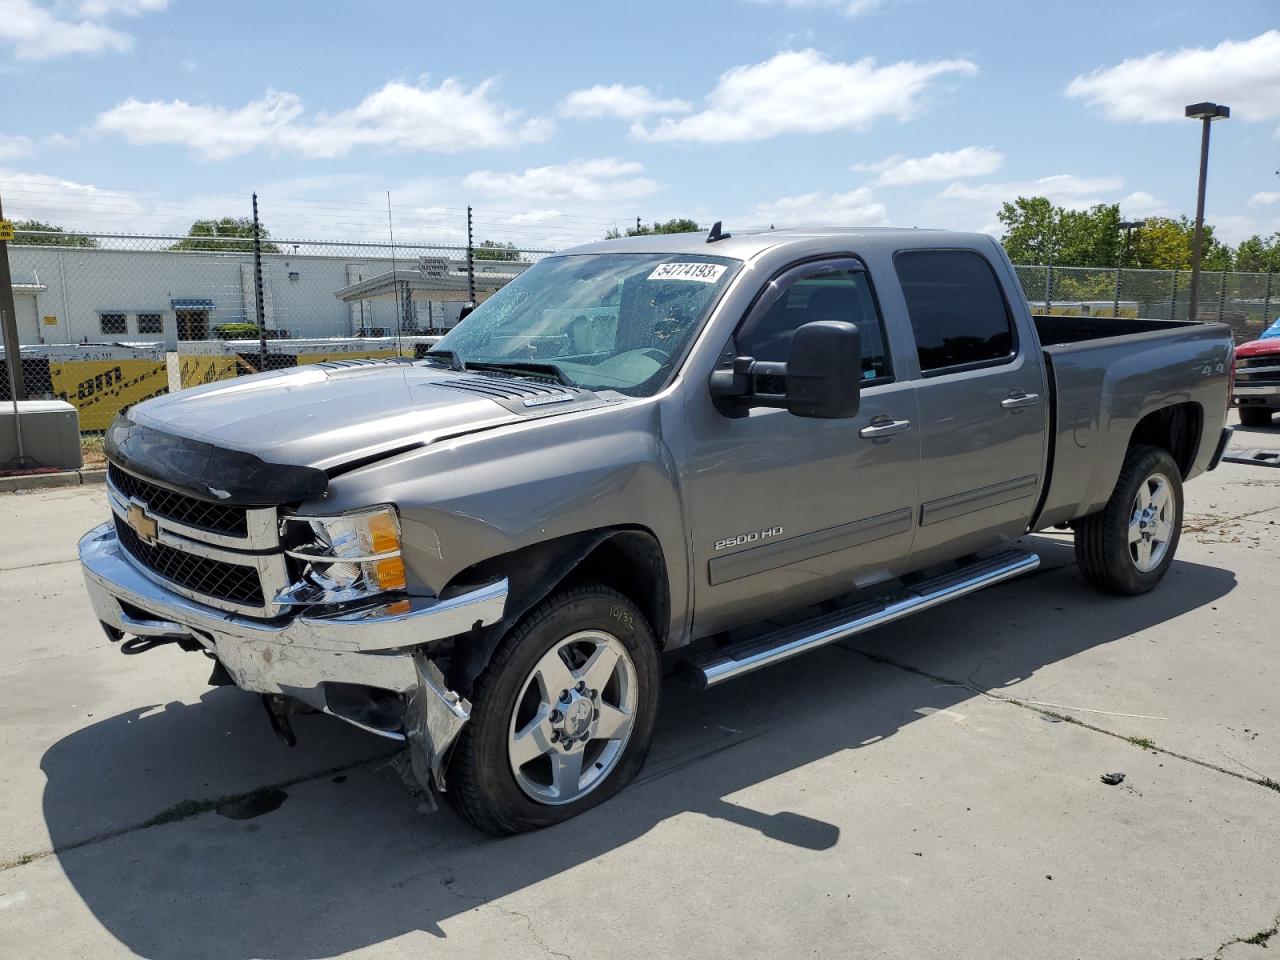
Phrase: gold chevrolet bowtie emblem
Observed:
(142, 524)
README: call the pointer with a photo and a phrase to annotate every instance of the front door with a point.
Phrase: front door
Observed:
(788, 510)
(982, 418)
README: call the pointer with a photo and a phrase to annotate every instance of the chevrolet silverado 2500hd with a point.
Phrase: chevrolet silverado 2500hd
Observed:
(632, 456)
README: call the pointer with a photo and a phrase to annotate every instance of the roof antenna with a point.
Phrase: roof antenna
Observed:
(715, 233)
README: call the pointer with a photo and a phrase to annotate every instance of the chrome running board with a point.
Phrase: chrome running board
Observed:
(734, 660)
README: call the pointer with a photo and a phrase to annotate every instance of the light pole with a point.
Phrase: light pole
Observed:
(1128, 226)
(1206, 113)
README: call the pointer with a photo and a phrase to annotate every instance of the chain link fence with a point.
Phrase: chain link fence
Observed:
(166, 289)
(1248, 302)
(109, 319)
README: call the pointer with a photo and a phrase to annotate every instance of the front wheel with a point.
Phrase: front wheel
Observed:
(1127, 546)
(563, 715)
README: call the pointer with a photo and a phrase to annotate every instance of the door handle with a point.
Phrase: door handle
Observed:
(884, 427)
(1017, 401)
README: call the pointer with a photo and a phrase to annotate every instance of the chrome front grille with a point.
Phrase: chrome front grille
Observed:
(1258, 371)
(224, 556)
(178, 506)
(205, 577)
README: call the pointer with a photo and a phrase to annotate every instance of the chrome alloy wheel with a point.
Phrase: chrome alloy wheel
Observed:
(1151, 522)
(573, 717)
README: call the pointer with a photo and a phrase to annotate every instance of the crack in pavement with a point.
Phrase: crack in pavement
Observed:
(1259, 939)
(184, 810)
(480, 901)
(1262, 781)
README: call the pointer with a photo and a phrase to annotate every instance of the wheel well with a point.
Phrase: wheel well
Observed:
(1175, 429)
(627, 559)
(632, 563)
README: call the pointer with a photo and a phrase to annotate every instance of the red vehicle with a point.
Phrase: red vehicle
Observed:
(1257, 381)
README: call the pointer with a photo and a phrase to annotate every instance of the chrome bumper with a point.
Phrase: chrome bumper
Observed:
(379, 647)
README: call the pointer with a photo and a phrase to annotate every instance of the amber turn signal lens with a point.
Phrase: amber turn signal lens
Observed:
(383, 535)
(390, 573)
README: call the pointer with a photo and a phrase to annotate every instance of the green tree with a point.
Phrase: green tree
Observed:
(1258, 255)
(493, 250)
(211, 234)
(1165, 244)
(1038, 232)
(674, 225)
(1031, 230)
(64, 238)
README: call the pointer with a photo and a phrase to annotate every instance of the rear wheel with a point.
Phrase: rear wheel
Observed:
(1255, 416)
(563, 715)
(1127, 546)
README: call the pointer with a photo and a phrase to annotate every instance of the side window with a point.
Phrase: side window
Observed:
(957, 309)
(817, 292)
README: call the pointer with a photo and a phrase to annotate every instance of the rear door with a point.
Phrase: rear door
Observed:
(787, 509)
(982, 412)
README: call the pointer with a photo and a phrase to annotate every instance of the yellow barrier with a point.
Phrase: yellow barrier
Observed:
(196, 369)
(100, 389)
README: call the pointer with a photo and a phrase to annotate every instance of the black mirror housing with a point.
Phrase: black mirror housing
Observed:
(824, 370)
(823, 376)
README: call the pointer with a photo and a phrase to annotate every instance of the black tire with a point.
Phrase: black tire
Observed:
(1255, 416)
(480, 783)
(1102, 538)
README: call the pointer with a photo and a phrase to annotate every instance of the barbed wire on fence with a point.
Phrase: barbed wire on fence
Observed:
(109, 318)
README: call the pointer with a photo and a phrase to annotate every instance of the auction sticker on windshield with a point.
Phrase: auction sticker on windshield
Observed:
(702, 272)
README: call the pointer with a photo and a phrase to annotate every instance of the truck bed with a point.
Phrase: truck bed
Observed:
(1055, 329)
(1105, 375)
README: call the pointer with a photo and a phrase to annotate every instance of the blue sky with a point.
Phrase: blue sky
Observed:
(559, 119)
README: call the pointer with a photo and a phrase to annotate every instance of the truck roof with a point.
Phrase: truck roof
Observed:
(748, 244)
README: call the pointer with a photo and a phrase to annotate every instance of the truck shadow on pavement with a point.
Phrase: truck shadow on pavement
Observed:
(350, 861)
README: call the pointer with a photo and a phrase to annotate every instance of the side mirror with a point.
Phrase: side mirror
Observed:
(822, 377)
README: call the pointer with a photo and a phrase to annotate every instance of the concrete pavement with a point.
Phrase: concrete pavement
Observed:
(929, 789)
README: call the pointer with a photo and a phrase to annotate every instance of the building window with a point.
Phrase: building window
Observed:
(114, 323)
(294, 276)
(150, 323)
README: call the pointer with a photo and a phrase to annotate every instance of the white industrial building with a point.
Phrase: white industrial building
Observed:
(66, 294)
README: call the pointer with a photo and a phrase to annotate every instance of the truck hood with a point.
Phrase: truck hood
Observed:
(325, 416)
(1259, 348)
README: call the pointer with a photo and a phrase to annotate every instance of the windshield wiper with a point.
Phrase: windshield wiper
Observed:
(532, 368)
(448, 356)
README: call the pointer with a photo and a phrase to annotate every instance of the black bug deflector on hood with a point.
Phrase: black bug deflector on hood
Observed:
(203, 470)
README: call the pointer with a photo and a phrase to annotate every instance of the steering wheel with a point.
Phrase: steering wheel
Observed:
(662, 355)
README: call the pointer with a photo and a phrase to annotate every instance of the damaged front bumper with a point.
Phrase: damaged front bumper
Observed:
(317, 659)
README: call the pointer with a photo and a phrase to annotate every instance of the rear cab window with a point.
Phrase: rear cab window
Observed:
(958, 311)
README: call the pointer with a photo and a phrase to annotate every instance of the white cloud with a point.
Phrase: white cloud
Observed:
(129, 8)
(946, 165)
(857, 207)
(1244, 74)
(41, 31)
(446, 118)
(618, 100)
(1141, 204)
(1064, 189)
(588, 181)
(12, 146)
(850, 8)
(804, 92)
(1265, 198)
(36, 196)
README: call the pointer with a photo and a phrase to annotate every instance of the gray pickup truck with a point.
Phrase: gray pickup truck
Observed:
(641, 455)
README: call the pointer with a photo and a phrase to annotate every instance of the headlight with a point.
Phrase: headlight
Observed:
(349, 556)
